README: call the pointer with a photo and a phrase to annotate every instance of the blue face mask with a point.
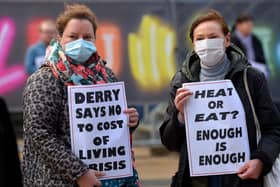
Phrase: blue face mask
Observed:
(79, 50)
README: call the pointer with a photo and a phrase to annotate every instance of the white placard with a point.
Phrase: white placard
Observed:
(99, 131)
(216, 130)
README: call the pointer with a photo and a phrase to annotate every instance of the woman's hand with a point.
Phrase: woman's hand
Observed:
(133, 117)
(251, 169)
(182, 95)
(90, 178)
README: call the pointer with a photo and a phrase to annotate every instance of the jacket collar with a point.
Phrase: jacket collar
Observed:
(191, 66)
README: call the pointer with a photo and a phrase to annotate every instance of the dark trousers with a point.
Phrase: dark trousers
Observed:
(10, 172)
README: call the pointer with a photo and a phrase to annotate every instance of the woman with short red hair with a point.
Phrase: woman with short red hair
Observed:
(214, 58)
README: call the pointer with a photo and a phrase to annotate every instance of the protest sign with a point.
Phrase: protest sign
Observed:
(216, 130)
(99, 130)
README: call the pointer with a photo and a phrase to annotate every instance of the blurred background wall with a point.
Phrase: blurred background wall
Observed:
(144, 41)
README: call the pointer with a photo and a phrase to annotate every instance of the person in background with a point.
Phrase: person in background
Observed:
(243, 37)
(35, 55)
(10, 173)
(214, 58)
(72, 59)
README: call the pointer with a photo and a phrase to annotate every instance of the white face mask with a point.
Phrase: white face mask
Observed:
(210, 51)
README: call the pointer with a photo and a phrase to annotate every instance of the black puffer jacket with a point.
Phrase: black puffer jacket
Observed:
(173, 133)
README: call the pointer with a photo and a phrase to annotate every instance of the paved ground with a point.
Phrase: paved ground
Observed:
(155, 171)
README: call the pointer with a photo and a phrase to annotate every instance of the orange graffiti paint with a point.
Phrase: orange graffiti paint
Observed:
(109, 45)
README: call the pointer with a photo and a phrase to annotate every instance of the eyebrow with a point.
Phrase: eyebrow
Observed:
(212, 34)
(73, 33)
(77, 33)
(199, 35)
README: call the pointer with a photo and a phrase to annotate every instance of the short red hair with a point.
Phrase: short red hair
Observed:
(210, 15)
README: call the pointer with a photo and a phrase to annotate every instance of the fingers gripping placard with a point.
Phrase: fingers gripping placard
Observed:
(216, 129)
(99, 130)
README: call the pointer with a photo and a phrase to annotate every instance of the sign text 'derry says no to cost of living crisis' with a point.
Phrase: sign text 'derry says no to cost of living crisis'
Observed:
(99, 131)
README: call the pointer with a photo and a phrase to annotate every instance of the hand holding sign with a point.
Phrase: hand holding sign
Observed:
(251, 169)
(182, 95)
(133, 117)
(90, 179)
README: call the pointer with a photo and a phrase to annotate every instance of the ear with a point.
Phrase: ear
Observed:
(227, 40)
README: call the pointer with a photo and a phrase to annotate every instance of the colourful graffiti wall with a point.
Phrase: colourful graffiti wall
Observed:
(143, 42)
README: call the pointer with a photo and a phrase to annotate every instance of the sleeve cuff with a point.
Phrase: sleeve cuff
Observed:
(132, 129)
(267, 165)
(178, 123)
(81, 173)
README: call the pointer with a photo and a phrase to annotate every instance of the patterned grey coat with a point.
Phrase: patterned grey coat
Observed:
(47, 157)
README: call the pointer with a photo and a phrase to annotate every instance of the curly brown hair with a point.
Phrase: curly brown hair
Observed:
(210, 15)
(75, 11)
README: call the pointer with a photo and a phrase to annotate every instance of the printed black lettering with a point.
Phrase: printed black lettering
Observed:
(212, 134)
(199, 93)
(87, 113)
(229, 91)
(116, 94)
(79, 98)
(96, 111)
(233, 158)
(108, 166)
(99, 97)
(80, 126)
(107, 96)
(199, 117)
(79, 113)
(210, 93)
(81, 155)
(122, 164)
(103, 111)
(90, 97)
(221, 92)
(212, 116)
